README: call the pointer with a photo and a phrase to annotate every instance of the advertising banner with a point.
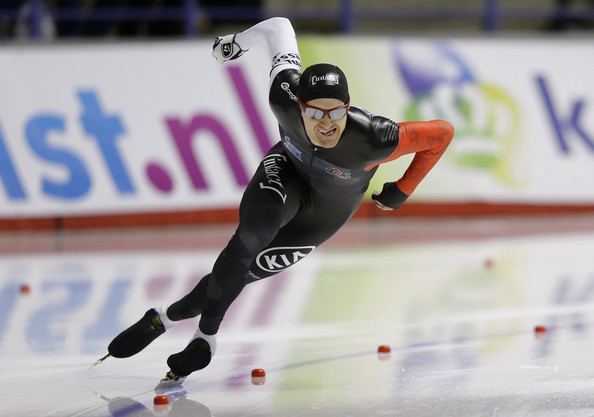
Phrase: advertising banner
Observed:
(128, 128)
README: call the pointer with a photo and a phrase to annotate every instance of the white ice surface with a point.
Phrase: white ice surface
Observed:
(461, 331)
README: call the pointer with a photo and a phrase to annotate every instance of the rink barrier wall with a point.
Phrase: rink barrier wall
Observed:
(231, 216)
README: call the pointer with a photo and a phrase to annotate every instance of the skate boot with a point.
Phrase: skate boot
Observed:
(197, 355)
(139, 335)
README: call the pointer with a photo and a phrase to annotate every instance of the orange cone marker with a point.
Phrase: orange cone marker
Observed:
(383, 352)
(258, 376)
(161, 404)
(161, 400)
(383, 349)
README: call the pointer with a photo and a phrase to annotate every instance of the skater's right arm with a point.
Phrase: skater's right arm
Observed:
(276, 34)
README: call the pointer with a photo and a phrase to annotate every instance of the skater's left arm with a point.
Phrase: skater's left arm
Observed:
(428, 141)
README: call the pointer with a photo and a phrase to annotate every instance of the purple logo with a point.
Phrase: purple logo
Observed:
(186, 132)
(108, 129)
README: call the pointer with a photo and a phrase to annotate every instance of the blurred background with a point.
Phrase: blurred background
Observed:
(62, 19)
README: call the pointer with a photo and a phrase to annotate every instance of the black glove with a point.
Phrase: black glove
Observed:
(391, 196)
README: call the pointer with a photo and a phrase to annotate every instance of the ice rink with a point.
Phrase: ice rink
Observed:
(456, 300)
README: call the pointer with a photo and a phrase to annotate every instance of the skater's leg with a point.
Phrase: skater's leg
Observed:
(270, 201)
(191, 304)
(311, 226)
(259, 224)
(212, 296)
(258, 227)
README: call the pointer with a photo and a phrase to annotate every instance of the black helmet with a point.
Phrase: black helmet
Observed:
(323, 81)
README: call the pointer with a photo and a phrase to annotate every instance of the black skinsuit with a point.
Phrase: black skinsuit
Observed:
(299, 197)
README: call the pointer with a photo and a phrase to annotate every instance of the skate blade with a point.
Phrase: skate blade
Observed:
(170, 386)
(172, 391)
(100, 360)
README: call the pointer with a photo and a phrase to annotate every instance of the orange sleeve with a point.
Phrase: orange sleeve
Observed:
(428, 141)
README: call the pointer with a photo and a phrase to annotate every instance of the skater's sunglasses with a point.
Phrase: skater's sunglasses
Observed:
(316, 113)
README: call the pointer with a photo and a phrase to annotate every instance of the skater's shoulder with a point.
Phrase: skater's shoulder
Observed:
(283, 96)
(378, 130)
(283, 87)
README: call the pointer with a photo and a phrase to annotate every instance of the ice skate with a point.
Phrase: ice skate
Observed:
(138, 336)
(197, 355)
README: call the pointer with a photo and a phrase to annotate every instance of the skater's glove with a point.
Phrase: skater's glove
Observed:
(390, 198)
(226, 49)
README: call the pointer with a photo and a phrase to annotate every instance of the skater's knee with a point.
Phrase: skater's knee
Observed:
(191, 304)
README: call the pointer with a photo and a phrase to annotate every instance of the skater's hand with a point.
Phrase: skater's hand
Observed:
(390, 197)
(374, 197)
(226, 49)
